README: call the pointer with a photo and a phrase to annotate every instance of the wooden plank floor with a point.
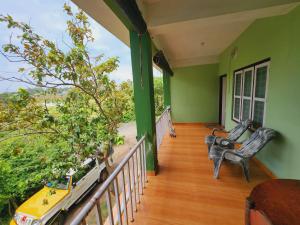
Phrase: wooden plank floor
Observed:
(185, 192)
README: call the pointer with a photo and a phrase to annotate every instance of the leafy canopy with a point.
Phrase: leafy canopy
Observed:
(39, 140)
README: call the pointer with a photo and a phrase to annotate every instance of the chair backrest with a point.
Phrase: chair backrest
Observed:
(257, 141)
(238, 130)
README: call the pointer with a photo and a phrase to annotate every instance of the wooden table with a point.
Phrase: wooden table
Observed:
(274, 202)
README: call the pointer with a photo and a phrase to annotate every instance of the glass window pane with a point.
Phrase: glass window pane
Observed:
(261, 80)
(258, 113)
(246, 109)
(237, 108)
(238, 78)
(247, 83)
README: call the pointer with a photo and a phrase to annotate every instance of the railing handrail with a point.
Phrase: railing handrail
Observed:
(92, 203)
(139, 177)
(162, 125)
(162, 114)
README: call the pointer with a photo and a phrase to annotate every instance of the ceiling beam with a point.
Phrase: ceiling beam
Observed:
(100, 12)
(238, 20)
(250, 15)
(163, 12)
(129, 13)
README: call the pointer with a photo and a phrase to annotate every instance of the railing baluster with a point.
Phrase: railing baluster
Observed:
(145, 160)
(116, 189)
(141, 169)
(109, 208)
(137, 177)
(124, 197)
(130, 193)
(134, 184)
(98, 214)
(142, 162)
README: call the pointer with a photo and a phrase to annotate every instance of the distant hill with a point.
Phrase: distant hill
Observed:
(34, 91)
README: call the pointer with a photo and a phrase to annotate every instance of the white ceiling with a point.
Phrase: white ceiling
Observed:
(99, 11)
(191, 32)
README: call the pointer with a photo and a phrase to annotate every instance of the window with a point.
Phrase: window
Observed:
(249, 93)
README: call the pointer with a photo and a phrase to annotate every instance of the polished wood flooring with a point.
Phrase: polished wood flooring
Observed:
(185, 192)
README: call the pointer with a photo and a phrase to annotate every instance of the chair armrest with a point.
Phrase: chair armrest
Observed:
(225, 143)
(219, 130)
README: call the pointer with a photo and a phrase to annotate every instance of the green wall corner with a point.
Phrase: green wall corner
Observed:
(278, 38)
(195, 94)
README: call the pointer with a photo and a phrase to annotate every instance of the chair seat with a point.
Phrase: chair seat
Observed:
(216, 152)
(223, 142)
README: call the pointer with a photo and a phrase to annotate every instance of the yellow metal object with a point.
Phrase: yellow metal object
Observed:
(12, 222)
(41, 202)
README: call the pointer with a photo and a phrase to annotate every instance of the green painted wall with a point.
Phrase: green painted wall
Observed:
(279, 38)
(194, 94)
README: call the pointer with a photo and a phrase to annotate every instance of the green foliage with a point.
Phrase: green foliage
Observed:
(129, 114)
(40, 142)
(4, 219)
(119, 140)
(158, 95)
(24, 163)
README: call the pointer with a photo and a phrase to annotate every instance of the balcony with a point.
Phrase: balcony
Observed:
(211, 47)
(184, 191)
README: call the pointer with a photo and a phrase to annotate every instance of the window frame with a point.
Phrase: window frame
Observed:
(252, 67)
(237, 96)
(251, 93)
(264, 100)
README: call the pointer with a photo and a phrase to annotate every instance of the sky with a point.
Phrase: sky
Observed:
(48, 19)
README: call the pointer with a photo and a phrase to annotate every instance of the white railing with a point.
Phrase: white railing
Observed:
(162, 126)
(131, 173)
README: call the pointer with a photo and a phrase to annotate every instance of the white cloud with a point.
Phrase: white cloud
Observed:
(99, 35)
(48, 19)
(123, 73)
(156, 72)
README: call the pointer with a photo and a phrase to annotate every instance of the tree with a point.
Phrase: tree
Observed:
(158, 95)
(23, 165)
(88, 116)
(53, 68)
(127, 88)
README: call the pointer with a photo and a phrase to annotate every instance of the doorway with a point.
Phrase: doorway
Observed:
(222, 100)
